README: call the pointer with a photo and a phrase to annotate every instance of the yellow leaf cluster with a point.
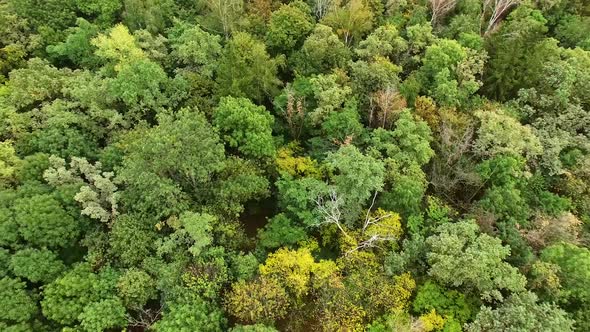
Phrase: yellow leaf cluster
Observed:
(431, 321)
(297, 269)
(388, 224)
(288, 162)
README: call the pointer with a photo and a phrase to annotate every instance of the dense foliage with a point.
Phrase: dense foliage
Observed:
(295, 165)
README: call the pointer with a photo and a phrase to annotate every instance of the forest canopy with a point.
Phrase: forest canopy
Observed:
(295, 165)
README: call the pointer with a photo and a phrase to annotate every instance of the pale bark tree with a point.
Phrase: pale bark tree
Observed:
(440, 8)
(374, 230)
(226, 13)
(497, 10)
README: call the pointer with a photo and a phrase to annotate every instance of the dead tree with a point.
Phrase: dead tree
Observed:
(385, 106)
(497, 11)
(329, 208)
(440, 8)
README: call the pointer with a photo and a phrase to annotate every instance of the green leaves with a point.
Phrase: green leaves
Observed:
(36, 265)
(246, 70)
(245, 126)
(461, 258)
(191, 314)
(521, 312)
(288, 27)
(103, 315)
(18, 304)
(67, 297)
(42, 221)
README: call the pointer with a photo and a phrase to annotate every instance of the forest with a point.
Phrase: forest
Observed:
(295, 165)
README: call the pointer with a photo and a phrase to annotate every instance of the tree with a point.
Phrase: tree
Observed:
(66, 298)
(516, 60)
(138, 85)
(253, 328)
(98, 196)
(192, 230)
(132, 239)
(246, 70)
(449, 303)
(136, 288)
(440, 8)
(450, 72)
(574, 276)
(297, 271)
(225, 16)
(460, 257)
(245, 127)
(321, 52)
(9, 162)
(152, 15)
(186, 152)
(500, 134)
(195, 49)
(263, 300)
(521, 312)
(288, 27)
(280, 231)
(36, 265)
(356, 177)
(77, 48)
(189, 314)
(119, 47)
(17, 302)
(103, 315)
(350, 22)
(43, 221)
(384, 41)
(496, 10)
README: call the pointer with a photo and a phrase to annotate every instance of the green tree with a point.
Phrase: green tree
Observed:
(43, 221)
(351, 21)
(152, 15)
(224, 16)
(36, 265)
(103, 315)
(321, 52)
(288, 27)
(450, 72)
(385, 41)
(245, 127)
(132, 239)
(191, 314)
(186, 152)
(19, 305)
(194, 48)
(136, 288)
(449, 303)
(246, 70)
(280, 231)
(501, 134)
(356, 177)
(461, 257)
(65, 299)
(521, 312)
(517, 52)
(77, 48)
(574, 276)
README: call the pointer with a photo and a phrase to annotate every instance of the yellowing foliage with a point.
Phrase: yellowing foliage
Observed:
(386, 225)
(431, 321)
(119, 46)
(288, 163)
(297, 270)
